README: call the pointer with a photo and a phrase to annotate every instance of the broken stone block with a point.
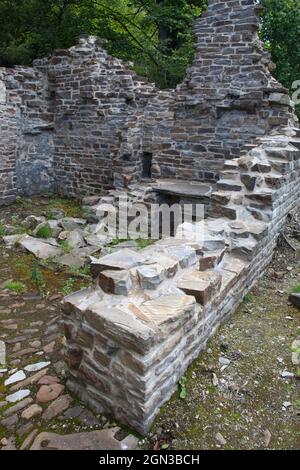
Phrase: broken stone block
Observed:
(201, 285)
(69, 223)
(294, 299)
(280, 98)
(11, 240)
(115, 282)
(75, 239)
(120, 260)
(168, 263)
(93, 440)
(31, 222)
(39, 248)
(249, 181)
(186, 255)
(211, 259)
(150, 276)
(243, 247)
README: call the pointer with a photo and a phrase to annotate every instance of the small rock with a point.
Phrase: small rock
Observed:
(223, 361)
(287, 375)
(48, 380)
(2, 353)
(267, 437)
(17, 396)
(37, 366)
(215, 380)
(31, 412)
(49, 392)
(17, 377)
(287, 404)
(220, 439)
(295, 300)
(57, 407)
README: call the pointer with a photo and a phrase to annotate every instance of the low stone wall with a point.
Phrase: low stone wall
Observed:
(133, 334)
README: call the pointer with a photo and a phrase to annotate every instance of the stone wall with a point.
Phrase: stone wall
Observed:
(26, 133)
(97, 103)
(132, 335)
(227, 99)
(82, 120)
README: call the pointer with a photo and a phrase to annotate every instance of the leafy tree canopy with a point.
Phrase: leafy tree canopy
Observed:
(155, 34)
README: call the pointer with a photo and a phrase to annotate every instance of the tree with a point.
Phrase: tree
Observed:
(281, 34)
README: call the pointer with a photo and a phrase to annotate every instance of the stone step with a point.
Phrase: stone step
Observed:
(289, 153)
(230, 175)
(281, 166)
(241, 229)
(231, 165)
(244, 248)
(228, 211)
(250, 180)
(203, 285)
(260, 212)
(265, 197)
(228, 185)
(275, 181)
(211, 259)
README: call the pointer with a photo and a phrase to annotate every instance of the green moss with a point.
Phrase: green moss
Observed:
(248, 298)
(65, 246)
(141, 243)
(44, 232)
(15, 286)
(296, 289)
(2, 231)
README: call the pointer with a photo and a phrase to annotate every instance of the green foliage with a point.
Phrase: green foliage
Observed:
(44, 232)
(84, 271)
(141, 243)
(248, 298)
(182, 387)
(296, 289)
(281, 34)
(37, 277)
(155, 34)
(68, 286)
(2, 230)
(16, 286)
(65, 246)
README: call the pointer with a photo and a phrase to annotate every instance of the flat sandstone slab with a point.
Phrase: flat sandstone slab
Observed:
(201, 285)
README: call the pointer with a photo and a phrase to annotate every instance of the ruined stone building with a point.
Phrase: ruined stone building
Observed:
(80, 122)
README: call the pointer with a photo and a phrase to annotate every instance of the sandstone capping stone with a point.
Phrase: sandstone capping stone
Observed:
(115, 282)
(202, 285)
(121, 327)
(120, 260)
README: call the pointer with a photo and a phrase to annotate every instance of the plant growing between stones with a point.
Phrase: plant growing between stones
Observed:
(2, 230)
(296, 289)
(182, 388)
(44, 232)
(68, 286)
(65, 246)
(16, 286)
(37, 277)
(248, 298)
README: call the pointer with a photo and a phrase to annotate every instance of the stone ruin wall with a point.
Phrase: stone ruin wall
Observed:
(79, 122)
(131, 336)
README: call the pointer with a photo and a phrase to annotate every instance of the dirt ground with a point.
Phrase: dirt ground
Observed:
(237, 392)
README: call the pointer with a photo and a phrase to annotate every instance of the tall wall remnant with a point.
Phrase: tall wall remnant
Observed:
(80, 121)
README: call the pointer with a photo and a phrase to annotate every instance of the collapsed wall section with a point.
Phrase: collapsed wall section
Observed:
(97, 104)
(228, 98)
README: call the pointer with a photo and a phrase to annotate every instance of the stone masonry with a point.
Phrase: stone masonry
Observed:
(81, 122)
